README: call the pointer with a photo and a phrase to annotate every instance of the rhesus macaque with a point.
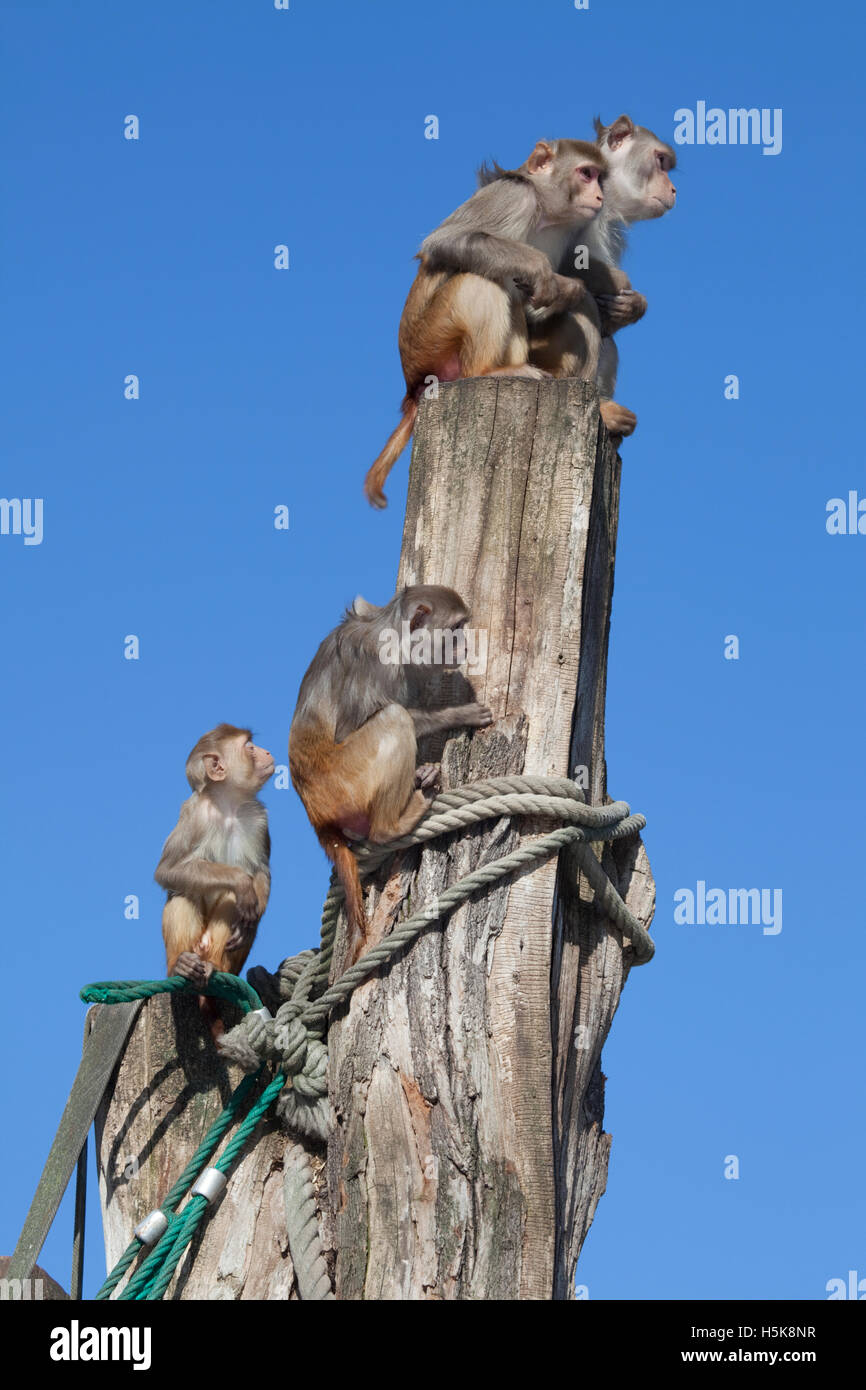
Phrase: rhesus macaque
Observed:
(466, 311)
(352, 745)
(215, 863)
(637, 188)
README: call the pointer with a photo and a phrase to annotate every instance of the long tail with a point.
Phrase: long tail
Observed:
(347, 871)
(375, 479)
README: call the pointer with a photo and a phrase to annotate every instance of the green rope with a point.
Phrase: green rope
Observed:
(223, 986)
(150, 1282)
(187, 1177)
(293, 1039)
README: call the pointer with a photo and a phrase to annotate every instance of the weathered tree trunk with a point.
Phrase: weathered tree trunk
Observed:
(170, 1087)
(468, 1155)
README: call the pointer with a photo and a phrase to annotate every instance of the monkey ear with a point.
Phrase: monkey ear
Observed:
(598, 125)
(621, 129)
(540, 158)
(419, 612)
(214, 767)
(362, 609)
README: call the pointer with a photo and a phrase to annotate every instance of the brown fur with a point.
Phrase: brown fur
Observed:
(353, 740)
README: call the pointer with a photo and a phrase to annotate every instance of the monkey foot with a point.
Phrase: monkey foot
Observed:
(618, 420)
(527, 370)
(427, 775)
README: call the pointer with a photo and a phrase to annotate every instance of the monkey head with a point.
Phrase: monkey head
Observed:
(227, 755)
(419, 608)
(638, 186)
(568, 177)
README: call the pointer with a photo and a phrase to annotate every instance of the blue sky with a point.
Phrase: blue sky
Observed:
(261, 388)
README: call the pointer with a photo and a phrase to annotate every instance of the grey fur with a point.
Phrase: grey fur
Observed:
(347, 683)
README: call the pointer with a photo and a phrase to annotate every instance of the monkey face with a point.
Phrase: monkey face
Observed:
(258, 762)
(587, 196)
(639, 185)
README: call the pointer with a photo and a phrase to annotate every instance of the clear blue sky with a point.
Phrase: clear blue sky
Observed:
(259, 388)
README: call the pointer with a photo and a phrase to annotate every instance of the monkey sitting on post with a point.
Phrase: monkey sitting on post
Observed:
(215, 863)
(637, 188)
(466, 313)
(352, 744)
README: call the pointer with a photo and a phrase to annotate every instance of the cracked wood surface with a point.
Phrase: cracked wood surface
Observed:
(469, 1155)
(169, 1088)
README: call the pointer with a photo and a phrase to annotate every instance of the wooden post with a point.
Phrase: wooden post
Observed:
(169, 1088)
(468, 1155)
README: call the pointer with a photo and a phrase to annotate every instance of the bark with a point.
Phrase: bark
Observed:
(468, 1154)
(169, 1088)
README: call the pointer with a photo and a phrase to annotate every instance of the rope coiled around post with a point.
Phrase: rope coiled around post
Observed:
(293, 1040)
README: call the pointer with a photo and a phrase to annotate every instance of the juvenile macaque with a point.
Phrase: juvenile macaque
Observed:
(215, 863)
(352, 745)
(466, 311)
(637, 188)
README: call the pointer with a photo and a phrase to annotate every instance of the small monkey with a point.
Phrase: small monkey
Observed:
(352, 744)
(466, 311)
(215, 863)
(637, 188)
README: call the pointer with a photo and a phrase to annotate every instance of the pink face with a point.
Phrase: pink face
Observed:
(660, 186)
(587, 191)
(259, 761)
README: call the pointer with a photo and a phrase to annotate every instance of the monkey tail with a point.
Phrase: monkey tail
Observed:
(347, 871)
(211, 1014)
(375, 479)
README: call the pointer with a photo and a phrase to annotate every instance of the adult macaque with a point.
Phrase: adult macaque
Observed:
(466, 311)
(352, 745)
(637, 188)
(215, 863)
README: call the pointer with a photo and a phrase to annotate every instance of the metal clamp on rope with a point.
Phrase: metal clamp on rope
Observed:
(153, 1227)
(263, 1013)
(210, 1184)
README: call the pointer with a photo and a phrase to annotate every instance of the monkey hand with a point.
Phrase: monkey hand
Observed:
(476, 716)
(246, 911)
(619, 310)
(542, 288)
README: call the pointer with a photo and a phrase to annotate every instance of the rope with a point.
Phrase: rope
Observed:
(293, 1040)
(153, 1276)
(228, 987)
(186, 1179)
(302, 1225)
(221, 985)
